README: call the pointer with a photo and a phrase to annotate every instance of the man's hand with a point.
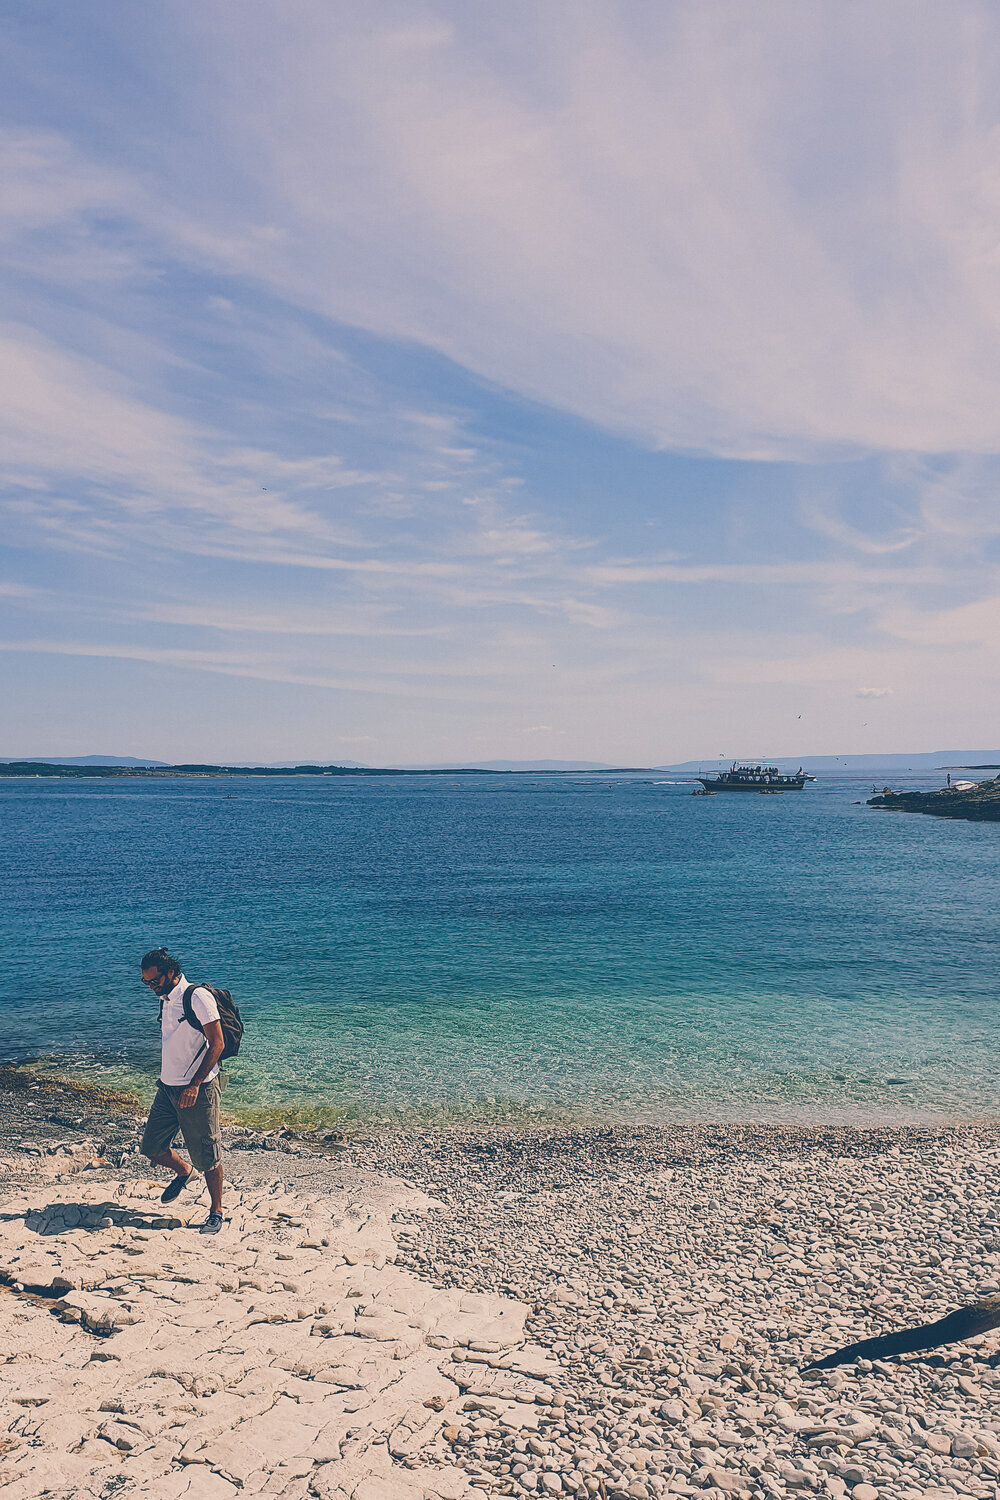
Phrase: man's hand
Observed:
(216, 1042)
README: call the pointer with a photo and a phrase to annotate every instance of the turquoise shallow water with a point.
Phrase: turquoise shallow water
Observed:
(513, 947)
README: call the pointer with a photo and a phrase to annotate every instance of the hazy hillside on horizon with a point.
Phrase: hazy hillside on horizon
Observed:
(131, 760)
(511, 765)
(80, 760)
(890, 761)
(931, 760)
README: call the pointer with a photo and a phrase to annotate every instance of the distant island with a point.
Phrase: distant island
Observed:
(877, 766)
(25, 769)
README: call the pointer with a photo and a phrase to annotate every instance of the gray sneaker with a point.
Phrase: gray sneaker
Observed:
(212, 1224)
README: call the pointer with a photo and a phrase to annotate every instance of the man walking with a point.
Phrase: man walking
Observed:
(187, 1093)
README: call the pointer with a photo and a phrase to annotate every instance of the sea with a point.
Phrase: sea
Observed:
(591, 948)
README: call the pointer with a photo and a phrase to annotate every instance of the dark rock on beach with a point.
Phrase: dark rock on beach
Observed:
(39, 1114)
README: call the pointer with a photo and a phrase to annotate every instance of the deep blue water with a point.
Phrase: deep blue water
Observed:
(581, 946)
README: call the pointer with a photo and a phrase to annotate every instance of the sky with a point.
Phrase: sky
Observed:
(427, 382)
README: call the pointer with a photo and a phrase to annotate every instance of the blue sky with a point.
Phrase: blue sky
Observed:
(429, 382)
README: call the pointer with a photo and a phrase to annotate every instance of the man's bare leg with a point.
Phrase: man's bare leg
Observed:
(214, 1179)
(177, 1164)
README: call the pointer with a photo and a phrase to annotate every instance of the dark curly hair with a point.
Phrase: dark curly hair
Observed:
(159, 958)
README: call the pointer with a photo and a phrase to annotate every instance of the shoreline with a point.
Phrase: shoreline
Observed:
(40, 1110)
(639, 1306)
(304, 1119)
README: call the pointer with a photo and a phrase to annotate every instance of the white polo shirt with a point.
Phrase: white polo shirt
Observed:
(183, 1046)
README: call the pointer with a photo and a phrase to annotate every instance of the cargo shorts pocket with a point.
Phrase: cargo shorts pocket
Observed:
(200, 1127)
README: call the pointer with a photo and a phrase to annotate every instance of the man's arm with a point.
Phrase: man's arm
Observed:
(216, 1042)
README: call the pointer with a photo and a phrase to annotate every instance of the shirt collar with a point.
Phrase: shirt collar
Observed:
(177, 993)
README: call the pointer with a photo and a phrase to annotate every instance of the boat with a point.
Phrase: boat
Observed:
(755, 779)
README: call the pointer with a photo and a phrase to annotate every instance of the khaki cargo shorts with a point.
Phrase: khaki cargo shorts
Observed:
(199, 1125)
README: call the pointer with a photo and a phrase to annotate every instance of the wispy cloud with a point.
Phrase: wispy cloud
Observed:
(376, 383)
(637, 216)
(766, 574)
(89, 464)
(65, 416)
(369, 621)
(855, 539)
(972, 624)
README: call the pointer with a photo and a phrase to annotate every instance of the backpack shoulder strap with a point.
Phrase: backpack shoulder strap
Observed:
(188, 1008)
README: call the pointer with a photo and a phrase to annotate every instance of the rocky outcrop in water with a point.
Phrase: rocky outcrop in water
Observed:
(979, 803)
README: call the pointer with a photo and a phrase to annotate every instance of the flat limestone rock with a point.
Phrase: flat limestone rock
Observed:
(287, 1355)
(531, 1360)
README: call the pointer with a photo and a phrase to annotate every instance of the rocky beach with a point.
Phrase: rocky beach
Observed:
(616, 1312)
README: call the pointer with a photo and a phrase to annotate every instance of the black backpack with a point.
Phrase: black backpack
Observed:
(229, 1017)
